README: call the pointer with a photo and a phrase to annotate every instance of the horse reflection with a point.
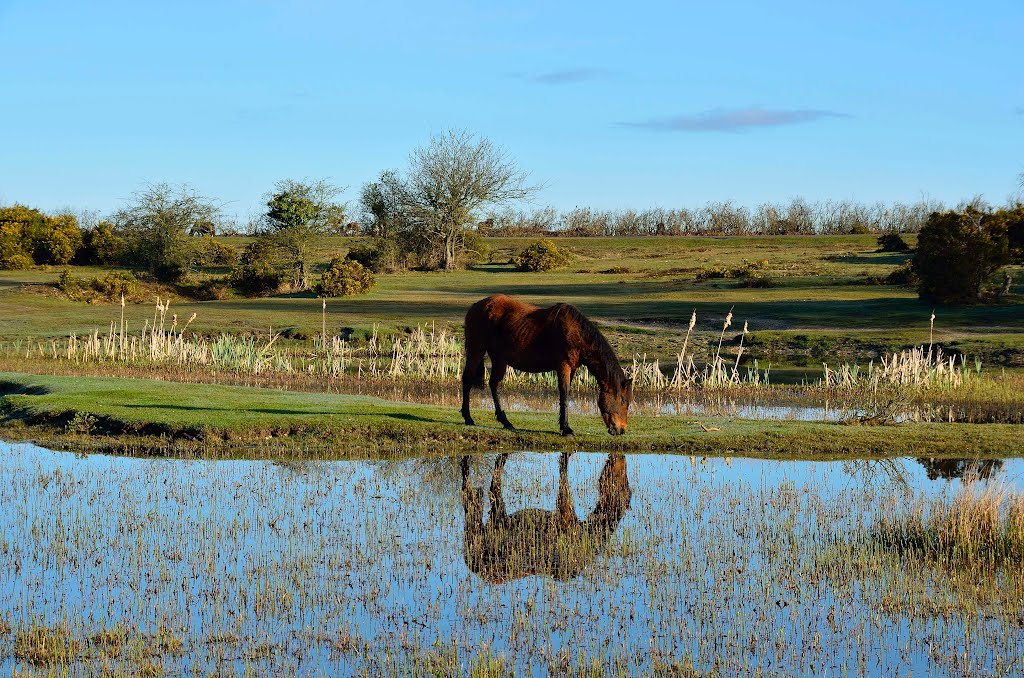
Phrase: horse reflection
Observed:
(535, 541)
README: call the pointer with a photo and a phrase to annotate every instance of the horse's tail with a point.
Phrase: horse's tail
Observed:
(473, 344)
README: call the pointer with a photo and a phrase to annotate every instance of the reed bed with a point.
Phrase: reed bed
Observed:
(981, 524)
(434, 355)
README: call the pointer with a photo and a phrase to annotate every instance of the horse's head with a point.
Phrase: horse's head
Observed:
(613, 401)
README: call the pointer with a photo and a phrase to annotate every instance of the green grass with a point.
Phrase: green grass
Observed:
(212, 420)
(816, 294)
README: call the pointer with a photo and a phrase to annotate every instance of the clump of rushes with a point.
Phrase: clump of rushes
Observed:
(980, 525)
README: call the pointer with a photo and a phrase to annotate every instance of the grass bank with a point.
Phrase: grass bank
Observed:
(207, 420)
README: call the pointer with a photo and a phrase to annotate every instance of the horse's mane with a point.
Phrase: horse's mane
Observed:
(602, 349)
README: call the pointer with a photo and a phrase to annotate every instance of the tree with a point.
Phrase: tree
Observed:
(156, 226)
(102, 245)
(56, 240)
(448, 181)
(1011, 220)
(298, 214)
(957, 252)
(17, 224)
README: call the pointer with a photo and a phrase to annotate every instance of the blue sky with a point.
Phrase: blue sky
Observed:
(654, 104)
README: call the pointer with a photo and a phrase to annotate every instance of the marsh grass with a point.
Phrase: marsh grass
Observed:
(982, 524)
(719, 568)
(920, 384)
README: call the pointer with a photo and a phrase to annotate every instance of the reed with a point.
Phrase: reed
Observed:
(981, 524)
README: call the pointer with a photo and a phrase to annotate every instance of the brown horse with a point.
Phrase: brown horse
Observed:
(531, 339)
(534, 541)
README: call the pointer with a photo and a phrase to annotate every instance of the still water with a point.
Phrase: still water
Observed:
(527, 563)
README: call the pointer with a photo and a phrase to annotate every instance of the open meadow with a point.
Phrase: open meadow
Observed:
(816, 479)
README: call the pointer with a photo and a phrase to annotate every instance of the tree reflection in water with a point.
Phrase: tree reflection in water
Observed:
(968, 469)
(535, 541)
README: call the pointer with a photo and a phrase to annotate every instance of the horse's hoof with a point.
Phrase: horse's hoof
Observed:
(507, 426)
(470, 422)
(567, 432)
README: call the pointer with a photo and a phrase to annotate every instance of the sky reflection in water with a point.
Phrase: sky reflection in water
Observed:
(630, 561)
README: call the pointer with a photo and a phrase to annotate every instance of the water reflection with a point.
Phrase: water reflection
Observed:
(617, 565)
(534, 541)
(967, 469)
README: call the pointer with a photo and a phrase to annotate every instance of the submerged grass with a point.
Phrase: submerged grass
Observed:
(982, 524)
(717, 568)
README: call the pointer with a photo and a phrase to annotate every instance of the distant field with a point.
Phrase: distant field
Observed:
(642, 291)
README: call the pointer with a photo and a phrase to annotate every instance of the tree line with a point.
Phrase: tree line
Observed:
(456, 189)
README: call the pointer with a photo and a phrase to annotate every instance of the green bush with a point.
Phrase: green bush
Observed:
(116, 284)
(211, 289)
(17, 225)
(757, 282)
(102, 245)
(892, 242)
(13, 254)
(903, 275)
(542, 255)
(255, 274)
(344, 278)
(749, 269)
(475, 249)
(213, 253)
(957, 252)
(379, 258)
(111, 286)
(56, 240)
(1011, 221)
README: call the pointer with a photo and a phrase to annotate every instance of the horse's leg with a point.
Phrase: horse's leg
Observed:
(498, 513)
(472, 375)
(472, 506)
(564, 506)
(565, 373)
(497, 374)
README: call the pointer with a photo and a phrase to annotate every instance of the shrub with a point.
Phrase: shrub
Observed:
(344, 278)
(255, 274)
(956, 254)
(903, 275)
(213, 253)
(116, 284)
(102, 245)
(13, 255)
(542, 255)
(749, 269)
(69, 284)
(379, 258)
(17, 225)
(211, 289)
(111, 286)
(757, 282)
(892, 242)
(56, 240)
(1011, 221)
(476, 250)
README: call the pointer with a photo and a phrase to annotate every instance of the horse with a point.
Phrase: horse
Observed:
(531, 339)
(535, 541)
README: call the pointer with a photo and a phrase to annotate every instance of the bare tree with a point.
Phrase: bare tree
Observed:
(453, 177)
(156, 224)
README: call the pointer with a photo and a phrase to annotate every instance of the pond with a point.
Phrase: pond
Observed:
(526, 563)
